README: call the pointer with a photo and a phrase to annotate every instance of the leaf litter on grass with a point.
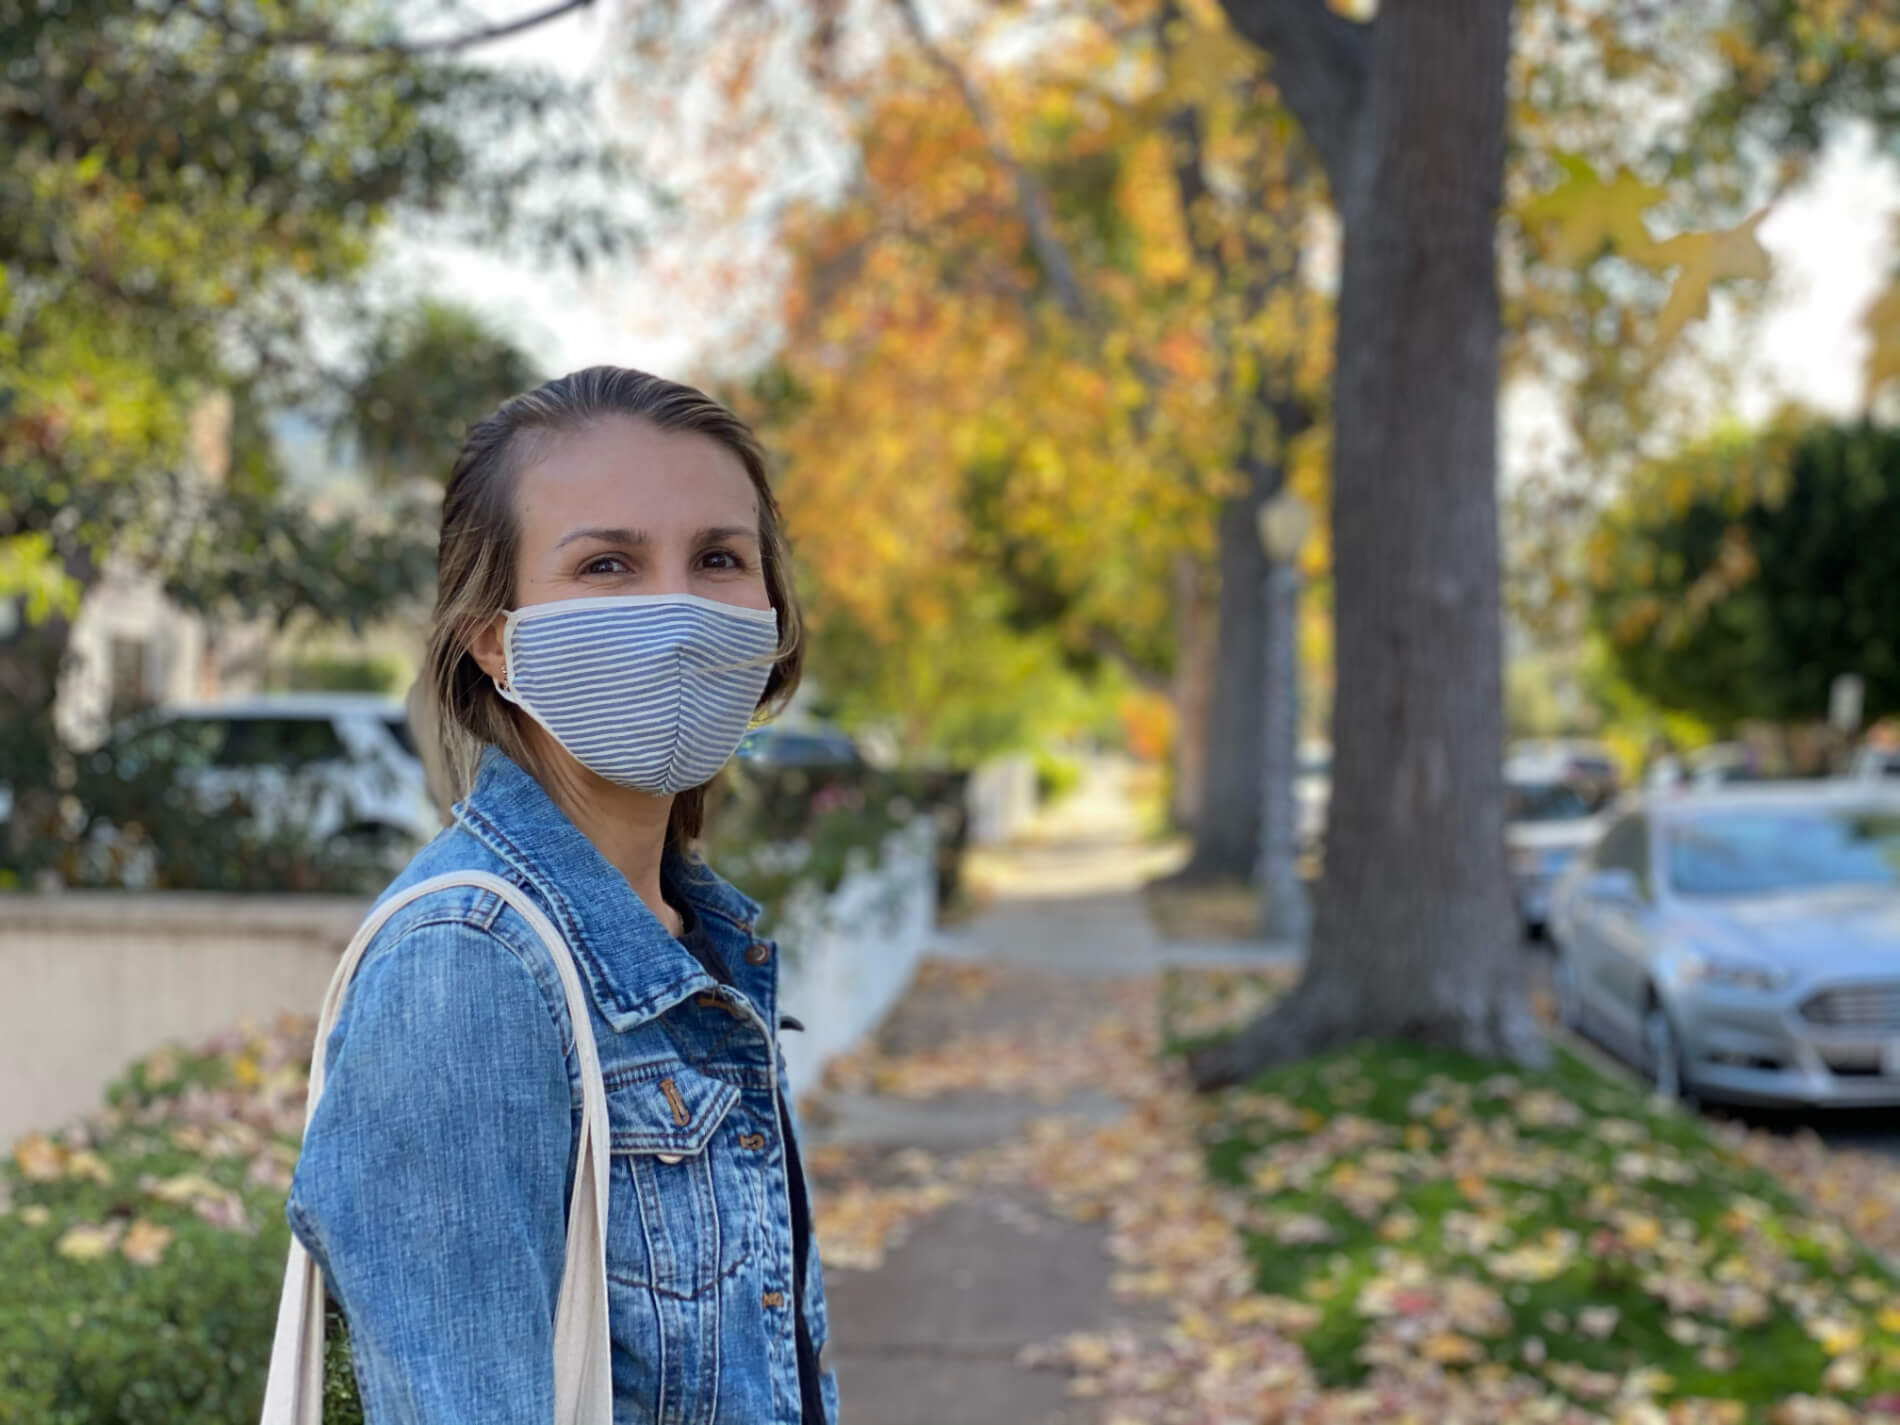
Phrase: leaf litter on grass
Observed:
(1391, 1234)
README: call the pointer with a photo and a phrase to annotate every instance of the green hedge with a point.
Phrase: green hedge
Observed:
(141, 1255)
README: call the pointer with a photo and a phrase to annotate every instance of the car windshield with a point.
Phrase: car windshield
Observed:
(1744, 853)
(1544, 801)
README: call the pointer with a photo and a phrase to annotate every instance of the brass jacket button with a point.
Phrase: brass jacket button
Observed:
(773, 1298)
(759, 953)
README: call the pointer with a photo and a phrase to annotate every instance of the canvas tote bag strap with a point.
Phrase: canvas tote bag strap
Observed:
(583, 1363)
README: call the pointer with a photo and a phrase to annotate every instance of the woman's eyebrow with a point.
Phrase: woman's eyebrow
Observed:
(605, 536)
(623, 536)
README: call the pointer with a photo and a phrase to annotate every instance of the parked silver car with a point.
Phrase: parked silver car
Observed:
(1742, 944)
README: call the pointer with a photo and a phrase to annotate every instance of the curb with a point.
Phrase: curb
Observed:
(1597, 1058)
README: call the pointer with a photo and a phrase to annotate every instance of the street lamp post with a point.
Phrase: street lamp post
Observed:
(1284, 521)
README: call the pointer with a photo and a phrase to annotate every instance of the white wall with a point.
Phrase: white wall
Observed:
(846, 959)
(91, 980)
(1002, 799)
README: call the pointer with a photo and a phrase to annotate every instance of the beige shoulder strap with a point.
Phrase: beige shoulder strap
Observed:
(583, 1360)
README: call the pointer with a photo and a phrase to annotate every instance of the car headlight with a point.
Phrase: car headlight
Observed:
(1729, 973)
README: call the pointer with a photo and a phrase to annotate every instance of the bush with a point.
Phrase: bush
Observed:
(1056, 777)
(127, 818)
(141, 1255)
(774, 830)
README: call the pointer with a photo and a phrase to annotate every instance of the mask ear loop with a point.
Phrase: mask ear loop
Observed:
(507, 640)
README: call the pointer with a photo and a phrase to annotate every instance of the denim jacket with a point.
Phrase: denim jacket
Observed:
(434, 1180)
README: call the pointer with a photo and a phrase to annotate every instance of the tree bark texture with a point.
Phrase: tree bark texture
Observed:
(31, 659)
(1413, 933)
(1227, 831)
(1193, 689)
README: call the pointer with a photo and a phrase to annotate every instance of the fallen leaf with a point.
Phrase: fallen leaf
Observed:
(145, 1243)
(90, 1165)
(87, 1241)
(39, 1158)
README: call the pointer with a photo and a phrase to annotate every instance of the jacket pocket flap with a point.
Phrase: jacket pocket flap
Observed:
(665, 1106)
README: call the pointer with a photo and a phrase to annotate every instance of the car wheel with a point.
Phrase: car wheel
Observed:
(1563, 989)
(1662, 1054)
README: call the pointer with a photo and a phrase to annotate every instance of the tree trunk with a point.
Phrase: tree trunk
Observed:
(1227, 832)
(1193, 688)
(1413, 933)
(30, 662)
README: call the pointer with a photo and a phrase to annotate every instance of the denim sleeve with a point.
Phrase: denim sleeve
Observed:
(431, 1188)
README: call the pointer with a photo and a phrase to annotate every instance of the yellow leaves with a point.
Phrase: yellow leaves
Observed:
(142, 1243)
(1204, 61)
(1639, 1231)
(1448, 1348)
(1881, 322)
(212, 1201)
(859, 1223)
(90, 1166)
(29, 568)
(184, 1188)
(1276, 1313)
(88, 1242)
(1584, 217)
(1705, 258)
(1540, 1261)
(1834, 1335)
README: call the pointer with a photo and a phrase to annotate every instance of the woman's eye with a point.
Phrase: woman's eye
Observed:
(605, 564)
(722, 559)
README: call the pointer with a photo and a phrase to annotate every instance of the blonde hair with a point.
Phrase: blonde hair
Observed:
(480, 546)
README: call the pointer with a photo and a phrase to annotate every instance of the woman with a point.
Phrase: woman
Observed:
(614, 607)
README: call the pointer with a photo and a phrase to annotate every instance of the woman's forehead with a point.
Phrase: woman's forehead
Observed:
(631, 474)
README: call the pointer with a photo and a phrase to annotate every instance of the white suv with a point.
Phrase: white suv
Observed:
(1876, 764)
(327, 764)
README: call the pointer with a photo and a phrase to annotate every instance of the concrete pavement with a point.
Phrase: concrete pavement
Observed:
(931, 1337)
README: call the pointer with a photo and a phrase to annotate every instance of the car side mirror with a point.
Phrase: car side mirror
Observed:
(1616, 885)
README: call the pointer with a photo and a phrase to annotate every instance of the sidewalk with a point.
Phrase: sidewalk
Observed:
(1004, 1030)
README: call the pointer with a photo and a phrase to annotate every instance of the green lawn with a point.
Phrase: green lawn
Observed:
(1418, 1203)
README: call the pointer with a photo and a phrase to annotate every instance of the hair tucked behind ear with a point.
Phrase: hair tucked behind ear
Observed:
(481, 540)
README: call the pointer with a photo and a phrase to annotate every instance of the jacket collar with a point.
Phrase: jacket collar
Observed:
(635, 969)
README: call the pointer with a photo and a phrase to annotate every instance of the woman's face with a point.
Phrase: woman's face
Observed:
(623, 507)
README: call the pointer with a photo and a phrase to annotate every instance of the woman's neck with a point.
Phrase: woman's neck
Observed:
(627, 827)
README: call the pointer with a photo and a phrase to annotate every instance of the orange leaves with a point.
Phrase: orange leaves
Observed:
(966, 468)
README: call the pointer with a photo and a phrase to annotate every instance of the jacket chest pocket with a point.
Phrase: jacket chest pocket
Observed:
(677, 1221)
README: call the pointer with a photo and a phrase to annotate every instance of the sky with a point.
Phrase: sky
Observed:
(1832, 242)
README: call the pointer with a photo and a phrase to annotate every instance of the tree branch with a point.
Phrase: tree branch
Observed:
(1031, 202)
(1320, 61)
(333, 43)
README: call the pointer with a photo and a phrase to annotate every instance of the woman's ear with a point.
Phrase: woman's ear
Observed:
(486, 648)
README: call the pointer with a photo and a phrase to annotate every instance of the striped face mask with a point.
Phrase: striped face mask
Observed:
(652, 691)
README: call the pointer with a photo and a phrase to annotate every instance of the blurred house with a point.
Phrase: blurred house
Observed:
(130, 644)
